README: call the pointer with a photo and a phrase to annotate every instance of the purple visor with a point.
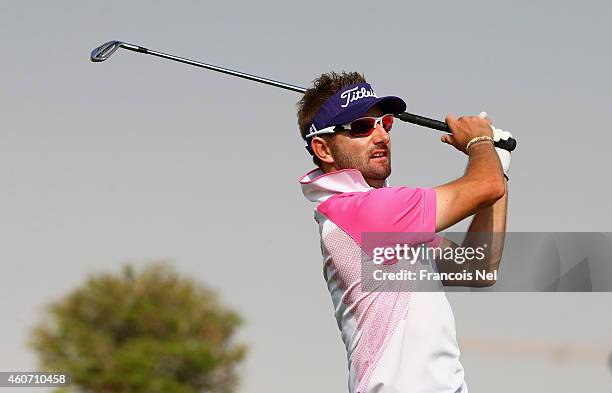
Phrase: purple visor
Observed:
(348, 104)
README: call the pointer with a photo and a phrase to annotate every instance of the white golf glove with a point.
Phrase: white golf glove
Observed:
(504, 155)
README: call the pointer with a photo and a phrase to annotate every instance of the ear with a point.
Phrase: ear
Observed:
(321, 149)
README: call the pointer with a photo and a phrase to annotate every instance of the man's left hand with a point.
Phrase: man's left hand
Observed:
(504, 155)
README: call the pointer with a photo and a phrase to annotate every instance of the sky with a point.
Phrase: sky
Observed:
(141, 159)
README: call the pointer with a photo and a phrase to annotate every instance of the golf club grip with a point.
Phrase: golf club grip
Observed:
(509, 144)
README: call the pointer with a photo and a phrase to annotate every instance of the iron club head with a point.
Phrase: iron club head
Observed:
(104, 51)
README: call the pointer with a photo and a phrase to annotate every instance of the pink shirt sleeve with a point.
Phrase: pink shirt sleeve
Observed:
(388, 209)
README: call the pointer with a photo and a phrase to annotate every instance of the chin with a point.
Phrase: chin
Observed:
(378, 174)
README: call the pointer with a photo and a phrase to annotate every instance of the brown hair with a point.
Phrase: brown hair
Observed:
(323, 87)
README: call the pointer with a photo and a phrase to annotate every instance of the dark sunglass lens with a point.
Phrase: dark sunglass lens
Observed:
(362, 127)
(387, 122)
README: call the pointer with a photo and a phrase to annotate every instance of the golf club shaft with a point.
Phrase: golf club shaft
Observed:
(509, 145)
(239, 74)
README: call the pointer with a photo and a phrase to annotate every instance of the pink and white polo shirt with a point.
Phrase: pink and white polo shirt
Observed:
(396, 342)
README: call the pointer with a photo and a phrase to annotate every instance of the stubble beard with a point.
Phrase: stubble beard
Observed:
(369, 170)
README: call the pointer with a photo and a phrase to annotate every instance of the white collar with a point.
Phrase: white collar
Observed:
(318, 186)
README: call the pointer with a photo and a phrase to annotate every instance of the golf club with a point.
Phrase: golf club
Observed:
(104, 51)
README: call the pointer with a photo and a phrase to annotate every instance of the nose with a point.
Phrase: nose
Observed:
(380, 135)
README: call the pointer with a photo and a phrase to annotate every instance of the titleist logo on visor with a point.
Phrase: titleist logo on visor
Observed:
(346, 104)
(355, 94)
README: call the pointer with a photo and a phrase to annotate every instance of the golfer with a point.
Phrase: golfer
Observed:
(399, 341)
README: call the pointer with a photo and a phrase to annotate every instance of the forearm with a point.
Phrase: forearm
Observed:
(483, 168)
(486, 185)
(489, 226)
(480, 187)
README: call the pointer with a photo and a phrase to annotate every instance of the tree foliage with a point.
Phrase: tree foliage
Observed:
(141, 331)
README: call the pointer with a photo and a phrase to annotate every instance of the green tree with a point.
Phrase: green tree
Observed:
(141, 331)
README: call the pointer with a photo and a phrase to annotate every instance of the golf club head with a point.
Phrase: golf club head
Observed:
(104, 51)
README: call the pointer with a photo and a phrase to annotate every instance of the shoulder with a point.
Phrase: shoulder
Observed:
(388, 209)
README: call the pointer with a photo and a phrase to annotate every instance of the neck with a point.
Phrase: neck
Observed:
(375, 183)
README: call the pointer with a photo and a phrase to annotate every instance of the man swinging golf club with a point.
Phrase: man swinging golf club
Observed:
(398, 341)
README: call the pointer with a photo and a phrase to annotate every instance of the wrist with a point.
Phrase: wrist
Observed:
(478, 141)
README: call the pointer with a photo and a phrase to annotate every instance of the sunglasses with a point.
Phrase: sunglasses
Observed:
(365, 126)
(361, 127)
